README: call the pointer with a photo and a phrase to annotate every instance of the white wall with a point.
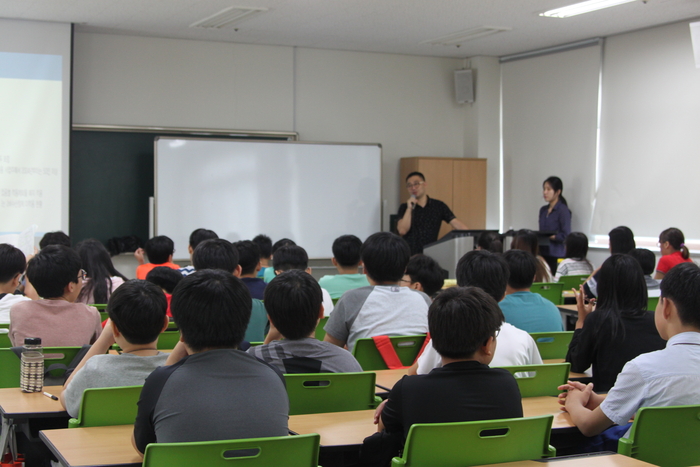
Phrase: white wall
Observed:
(405, 103)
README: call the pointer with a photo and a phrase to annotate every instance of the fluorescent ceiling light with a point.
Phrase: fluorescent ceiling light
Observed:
(583, 7)
(227, 17)
(466, 35)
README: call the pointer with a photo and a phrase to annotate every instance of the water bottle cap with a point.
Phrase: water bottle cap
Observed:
(32, 341)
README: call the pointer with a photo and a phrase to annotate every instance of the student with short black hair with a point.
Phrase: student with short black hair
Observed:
(464, 323)
(12, 265)
(489, 272)
(575, 262)
(249, 260)
(269, 273)
(490, 241)
(56, 275)
(136, 319)
(663, 378)
(647, 260)
(210, 390)
(383, 308)
(425, 274)
(293, 301)
(167, 279)
(524, 309)
(265, 244)
(526, 240)
(196, 237)
(160, 251)
(346, 259)
(54, 238)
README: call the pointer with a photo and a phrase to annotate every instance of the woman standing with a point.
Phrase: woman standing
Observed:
(555, 216)
(673, 251)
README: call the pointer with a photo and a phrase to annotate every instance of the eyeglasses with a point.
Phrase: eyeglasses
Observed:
(82, 275)
(414, 185)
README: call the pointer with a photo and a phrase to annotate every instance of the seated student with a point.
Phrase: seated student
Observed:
(54, 238)
(269, 273)
(167, 279)
(425, 274)
(490, 241)
(663, 378)
(265, 244)
(56, 275)
(383, 308)
(293, 303)
(196, 237)
(464, 324)
(575, 262)
(249, 260)
(523, 309)
(12, 266)
(620, 241)
(136, 319)
(346, 259)
(619, 329)
(647, 260)
(102, 277)
(673, 251)
(210, 390)
(526, 240)
(489, 272)
(160, 252)
(221, 254)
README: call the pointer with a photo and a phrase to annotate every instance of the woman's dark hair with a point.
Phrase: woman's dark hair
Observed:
(97, 263)
(526, 240)
(676, 239)
(557, 185)
(490, 241)
(621, 240)
(622, 290)
(576, 245)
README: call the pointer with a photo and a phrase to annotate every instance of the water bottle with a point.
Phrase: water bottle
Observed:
(32, 371)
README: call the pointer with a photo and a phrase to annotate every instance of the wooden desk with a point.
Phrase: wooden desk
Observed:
(597, 459)
(101, 445)
(571, 373)
(387, 378)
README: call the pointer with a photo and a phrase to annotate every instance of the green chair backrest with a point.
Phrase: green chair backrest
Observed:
(406, 347)
(103, 315)
(99, 306)
(652, 302)
(290, 451)
(664, 436)
(168, 339)
(320, 332)
(255, 344)
(335, 300)
(477, 443)
(573, 282)
(550, 290)
(552, 344)
(107, 407)
(540, 380)
(5, 336)
(330, 392)
(10, 364)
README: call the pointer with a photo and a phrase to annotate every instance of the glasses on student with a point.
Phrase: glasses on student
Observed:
(82, 275)
(414, 185)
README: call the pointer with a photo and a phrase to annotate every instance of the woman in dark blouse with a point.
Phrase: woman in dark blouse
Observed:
(619, 329)
(555, 216)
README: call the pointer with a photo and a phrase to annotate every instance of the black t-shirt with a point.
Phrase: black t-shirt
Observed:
(425, 223)
(457, 392)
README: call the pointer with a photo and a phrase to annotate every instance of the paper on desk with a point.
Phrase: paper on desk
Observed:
(23, 240)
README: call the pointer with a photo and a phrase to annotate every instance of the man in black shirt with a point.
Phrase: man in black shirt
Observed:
(421, 216)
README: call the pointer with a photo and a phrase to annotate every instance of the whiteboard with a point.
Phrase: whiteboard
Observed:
(309, 192)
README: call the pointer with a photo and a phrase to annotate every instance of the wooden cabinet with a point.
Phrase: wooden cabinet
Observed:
(459, 182)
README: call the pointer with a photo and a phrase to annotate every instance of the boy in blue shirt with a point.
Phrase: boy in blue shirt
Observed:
(346, 259)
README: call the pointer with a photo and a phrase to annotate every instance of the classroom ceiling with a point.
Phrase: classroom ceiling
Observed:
(388, 26)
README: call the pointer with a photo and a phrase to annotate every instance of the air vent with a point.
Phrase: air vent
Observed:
(466, 35)
(228, 17)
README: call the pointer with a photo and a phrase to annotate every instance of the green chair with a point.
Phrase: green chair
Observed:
(550, 290)
(330, 392)
(552, 344)
(320, 332)
(335, 300)
(406, 347)
(543, 382)
(255, 344)
(5, 336)
(107, 407)
(652, 302)
(290, 451)
(664, 436)
(100, 306)
(10, 364)
(103, 315)
(477, 443)
(168, 340)
(573, 282)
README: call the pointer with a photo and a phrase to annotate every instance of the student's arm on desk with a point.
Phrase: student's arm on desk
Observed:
(583, 406)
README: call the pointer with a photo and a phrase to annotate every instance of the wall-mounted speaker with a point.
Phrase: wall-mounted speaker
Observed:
(464, 86)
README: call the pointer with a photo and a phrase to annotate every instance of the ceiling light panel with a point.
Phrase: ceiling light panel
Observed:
(228, 17)
(466, 35)
(583, 7)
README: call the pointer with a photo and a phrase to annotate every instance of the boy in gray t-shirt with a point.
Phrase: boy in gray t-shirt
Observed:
(137, 317)
(294, 306)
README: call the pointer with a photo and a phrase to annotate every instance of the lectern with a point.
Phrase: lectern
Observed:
(449, 249)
